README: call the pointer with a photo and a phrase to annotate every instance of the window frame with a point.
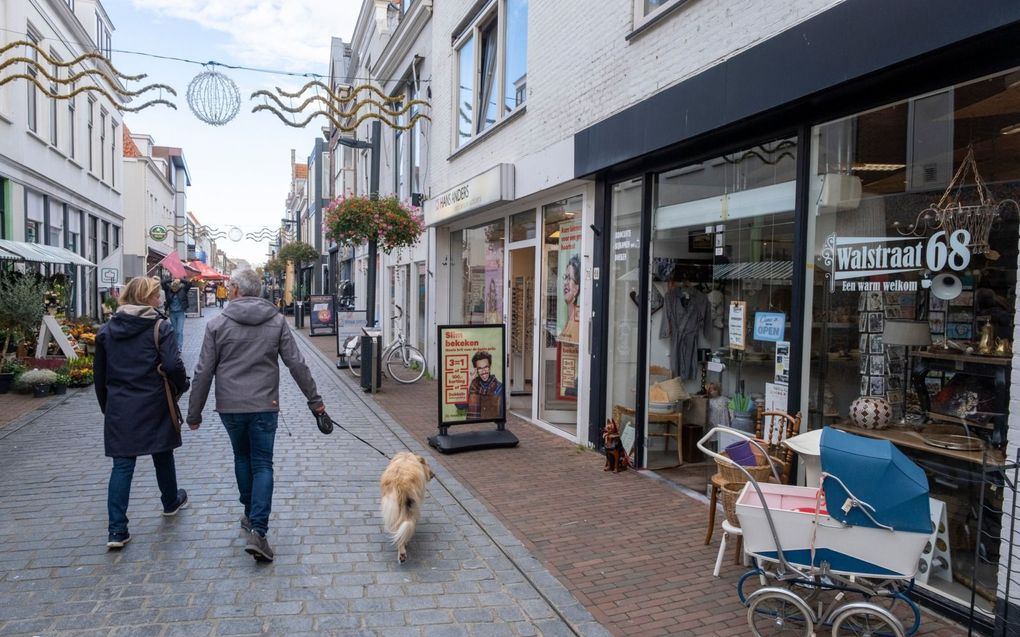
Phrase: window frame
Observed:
(493, 14)
(91, 124)
(113, 151)
(102, 142)
(641, 19)
(32, 105)
(54, 122)
(71, 114)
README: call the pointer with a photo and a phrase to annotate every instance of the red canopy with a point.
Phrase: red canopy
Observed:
(208, 273)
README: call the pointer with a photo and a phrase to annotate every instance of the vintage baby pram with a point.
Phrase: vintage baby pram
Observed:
(861, 531)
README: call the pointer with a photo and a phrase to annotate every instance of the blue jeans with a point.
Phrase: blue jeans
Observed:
(252, 437)
(177, 321)
(119, 491)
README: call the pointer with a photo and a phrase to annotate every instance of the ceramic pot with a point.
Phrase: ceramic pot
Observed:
(871, 412)
(743, 421)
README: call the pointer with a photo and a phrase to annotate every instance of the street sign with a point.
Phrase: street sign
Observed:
(109, 275)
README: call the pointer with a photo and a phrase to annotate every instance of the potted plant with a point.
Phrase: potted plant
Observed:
(21, 308)
(62, 382)
(355, 219)
(80, 371)
(741, 412)
(38, 381)
(10, 369)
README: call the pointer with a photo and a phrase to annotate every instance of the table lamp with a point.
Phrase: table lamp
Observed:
(906, 333)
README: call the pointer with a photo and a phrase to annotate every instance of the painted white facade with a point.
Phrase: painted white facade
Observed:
(149, 200)
(60, 159)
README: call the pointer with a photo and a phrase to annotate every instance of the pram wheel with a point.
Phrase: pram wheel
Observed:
(776, 611)
(866, 620)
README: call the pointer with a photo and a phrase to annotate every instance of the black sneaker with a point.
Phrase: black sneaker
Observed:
(245, 524)
(258, 547)
(116, 541)
(181, 503)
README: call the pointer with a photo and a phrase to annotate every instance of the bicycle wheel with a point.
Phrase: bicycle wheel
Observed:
(866, 620)
(354, 363)
(772, 612)
(405, 364)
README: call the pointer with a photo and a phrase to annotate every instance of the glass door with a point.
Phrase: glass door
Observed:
(559, 346)
(522, 328)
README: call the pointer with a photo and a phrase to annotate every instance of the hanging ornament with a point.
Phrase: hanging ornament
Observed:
(235, 234)
(213, 97)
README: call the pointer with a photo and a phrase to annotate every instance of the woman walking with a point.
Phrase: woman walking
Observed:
(130, 349)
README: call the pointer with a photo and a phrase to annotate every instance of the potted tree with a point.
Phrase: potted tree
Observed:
(10, 369)
(21, 307)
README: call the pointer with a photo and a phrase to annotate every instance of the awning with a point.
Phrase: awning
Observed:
(38, 253)
(205, 271)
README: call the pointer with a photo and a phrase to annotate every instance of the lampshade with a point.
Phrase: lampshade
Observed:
(906, 332)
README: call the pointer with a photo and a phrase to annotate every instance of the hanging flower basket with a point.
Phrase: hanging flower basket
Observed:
(355, 219)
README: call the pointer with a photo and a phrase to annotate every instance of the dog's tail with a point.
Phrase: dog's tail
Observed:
(398, 518)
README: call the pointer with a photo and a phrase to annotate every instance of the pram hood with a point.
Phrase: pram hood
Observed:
(878, 473)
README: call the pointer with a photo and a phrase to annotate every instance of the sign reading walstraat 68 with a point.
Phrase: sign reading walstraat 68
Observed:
(157, 233)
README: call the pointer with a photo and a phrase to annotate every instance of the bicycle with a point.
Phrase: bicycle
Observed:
(402, 361)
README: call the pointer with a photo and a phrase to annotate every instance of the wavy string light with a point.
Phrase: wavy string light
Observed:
(71, 80)
(336, 114)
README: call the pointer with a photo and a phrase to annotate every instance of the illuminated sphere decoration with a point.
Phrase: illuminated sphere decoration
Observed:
(214, 98)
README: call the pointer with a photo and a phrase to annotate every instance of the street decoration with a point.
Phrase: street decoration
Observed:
(233, 233)
(355, 219)
(84, 81)
(213, 97)
(332, 107)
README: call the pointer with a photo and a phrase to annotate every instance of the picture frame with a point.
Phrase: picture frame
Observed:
(935, 304)
(700, 241)
(933, 384)
(937, 322)
(877, 365)
(876, 322)
(895, 398)
(893, 383)
(863, 346)
(965, 299)
(960, 331)
(874, 301)
(875, 344)
(862, 300)
(895, 366)
(864, 385)
(863, 369)
(862, 322)
(876, 385)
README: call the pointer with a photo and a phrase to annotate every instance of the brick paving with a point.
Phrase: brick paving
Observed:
(14, 406)
(630, 548)
(334, 574)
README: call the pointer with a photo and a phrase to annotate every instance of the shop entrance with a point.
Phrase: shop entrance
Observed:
(522, 329)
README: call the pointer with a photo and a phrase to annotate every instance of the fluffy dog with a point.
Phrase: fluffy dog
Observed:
(403, 488)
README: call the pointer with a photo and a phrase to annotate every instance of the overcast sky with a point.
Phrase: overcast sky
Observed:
(240, 172)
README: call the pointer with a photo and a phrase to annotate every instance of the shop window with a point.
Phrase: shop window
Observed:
(30, 87)
(54, 124)
(493, 78)
(721, 261)
(646, 10)
(522, 226)
(914, 291)
(476, 257)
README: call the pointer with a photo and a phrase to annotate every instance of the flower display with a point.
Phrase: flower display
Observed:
(354, 219)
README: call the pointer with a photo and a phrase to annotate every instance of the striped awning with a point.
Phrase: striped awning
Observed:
(38, 253)
(761, 271)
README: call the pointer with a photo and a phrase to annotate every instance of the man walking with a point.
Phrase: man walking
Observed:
(241, 349)
(221, 295)
(176, 302)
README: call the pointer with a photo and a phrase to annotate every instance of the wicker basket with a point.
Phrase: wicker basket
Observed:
(760, 472)
(729, 493)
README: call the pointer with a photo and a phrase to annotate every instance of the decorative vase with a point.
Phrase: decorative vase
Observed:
(871, 412)
(743, 421)
(41, 391)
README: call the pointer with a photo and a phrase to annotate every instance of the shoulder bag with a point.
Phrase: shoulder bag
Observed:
(171, 401)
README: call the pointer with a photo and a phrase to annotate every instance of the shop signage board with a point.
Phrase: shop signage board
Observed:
(851, 258)
(492, 187)
(158, 233)
(321, 318)
(783, 362)
(472, 372)
(776, 398)
(738, 324)
(769, 326)
(348, 323)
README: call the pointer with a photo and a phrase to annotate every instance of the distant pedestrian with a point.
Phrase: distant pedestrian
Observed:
(137, 416)
(221, 294)
(176, 299)
(241, 349)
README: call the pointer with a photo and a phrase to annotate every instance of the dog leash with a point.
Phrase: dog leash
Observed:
(326, 424)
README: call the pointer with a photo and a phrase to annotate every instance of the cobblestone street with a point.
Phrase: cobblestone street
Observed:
(334, 573)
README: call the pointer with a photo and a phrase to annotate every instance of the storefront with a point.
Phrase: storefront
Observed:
(520, 262)
(839, 243)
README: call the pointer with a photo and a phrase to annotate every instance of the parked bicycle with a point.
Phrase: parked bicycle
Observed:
(402, 361)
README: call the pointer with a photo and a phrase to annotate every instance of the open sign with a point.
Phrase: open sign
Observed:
(769, 326)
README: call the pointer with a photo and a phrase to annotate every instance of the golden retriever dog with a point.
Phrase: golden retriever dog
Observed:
(403, 488)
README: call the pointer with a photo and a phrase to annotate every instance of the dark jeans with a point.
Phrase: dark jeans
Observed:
(252, 437)
(120, 487)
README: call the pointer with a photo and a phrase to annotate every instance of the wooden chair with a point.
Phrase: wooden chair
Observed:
(672, 424)
(773, 427)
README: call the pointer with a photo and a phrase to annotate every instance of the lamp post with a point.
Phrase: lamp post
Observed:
(372, 379)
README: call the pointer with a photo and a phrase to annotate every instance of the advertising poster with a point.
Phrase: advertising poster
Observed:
(321, 315)
(568, 309)
(737, 324)
(472, 372)
(348, 323)
(783, 362)
(493, 290)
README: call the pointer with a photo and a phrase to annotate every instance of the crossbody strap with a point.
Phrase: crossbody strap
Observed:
(175, 411)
